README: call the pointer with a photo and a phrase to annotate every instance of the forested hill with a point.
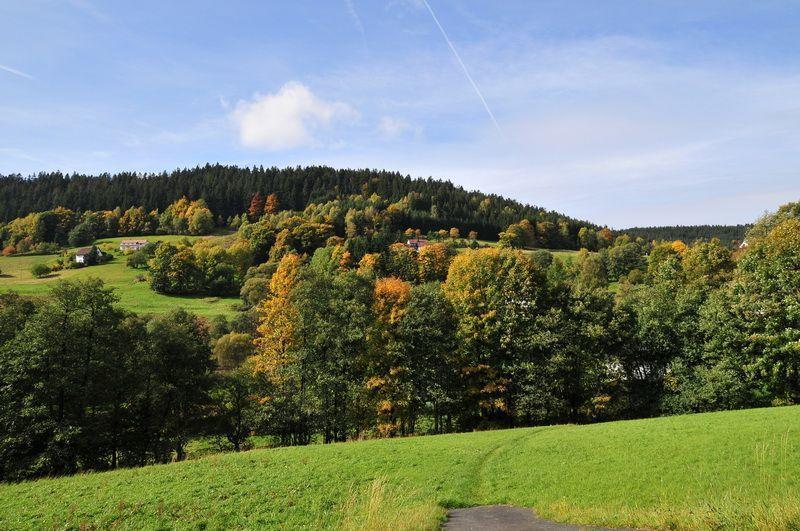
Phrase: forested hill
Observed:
(728, 234)
(227, 191)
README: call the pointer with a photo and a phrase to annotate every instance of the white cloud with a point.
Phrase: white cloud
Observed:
(292, 117)
(392, 127)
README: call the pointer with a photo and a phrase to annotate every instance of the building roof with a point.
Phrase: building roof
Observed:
(83, 251)
(133, 242)
(416, 243)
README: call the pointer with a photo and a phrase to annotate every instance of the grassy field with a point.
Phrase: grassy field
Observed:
(134, 295)
(566, 255)
(732, 470)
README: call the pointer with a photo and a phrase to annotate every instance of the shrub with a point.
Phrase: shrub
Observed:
(40, 270)
(232, 349)
(136, 260)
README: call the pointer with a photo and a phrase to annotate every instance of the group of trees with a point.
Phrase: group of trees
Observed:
(86, 386)
(355, 232)
(549, 235)
(40, 232)
(201, 268)
(186, 217)
(509, 339)
(45, 232)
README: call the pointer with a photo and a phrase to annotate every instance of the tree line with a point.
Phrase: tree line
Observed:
(227, 191)
(48, 231)
(728, 234)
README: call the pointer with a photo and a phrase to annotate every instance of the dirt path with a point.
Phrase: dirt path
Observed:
(502, 517)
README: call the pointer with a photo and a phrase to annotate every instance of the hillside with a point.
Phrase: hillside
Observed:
(731, 469)
(227, 191)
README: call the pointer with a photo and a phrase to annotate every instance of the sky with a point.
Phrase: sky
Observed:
(623, 113)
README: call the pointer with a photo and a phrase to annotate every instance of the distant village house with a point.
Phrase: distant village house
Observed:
(132, 245)
(88, 255)
(417, 243)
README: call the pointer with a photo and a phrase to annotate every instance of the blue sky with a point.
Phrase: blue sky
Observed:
(623, 113)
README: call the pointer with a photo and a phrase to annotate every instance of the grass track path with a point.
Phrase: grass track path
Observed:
(479, 496)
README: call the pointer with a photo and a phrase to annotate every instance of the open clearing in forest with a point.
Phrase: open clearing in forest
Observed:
(567, 255)
(134, 294)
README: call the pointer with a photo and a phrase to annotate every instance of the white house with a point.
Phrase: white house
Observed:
(87, 255)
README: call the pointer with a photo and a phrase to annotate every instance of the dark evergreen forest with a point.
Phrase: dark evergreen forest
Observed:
(228, 189)
(728, 234)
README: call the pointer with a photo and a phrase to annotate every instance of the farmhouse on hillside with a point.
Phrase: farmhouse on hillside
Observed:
(88, 255)
(417, 243)
(132, 245)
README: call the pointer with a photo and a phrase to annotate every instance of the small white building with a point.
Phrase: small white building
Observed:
(132, 245)
(87, 255)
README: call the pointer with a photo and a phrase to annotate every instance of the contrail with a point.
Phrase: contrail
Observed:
(463, 67)
(351, 9)
(16, 72)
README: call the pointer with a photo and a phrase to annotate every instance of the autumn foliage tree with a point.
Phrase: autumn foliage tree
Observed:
(434, 262)
(278, 359)
(256, 208)
(389, 368)
(495, 294)
(271, 204)
(186, 217)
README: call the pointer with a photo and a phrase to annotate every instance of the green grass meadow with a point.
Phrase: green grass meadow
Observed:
(566, 255)
(134, 295)
(719, 470)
